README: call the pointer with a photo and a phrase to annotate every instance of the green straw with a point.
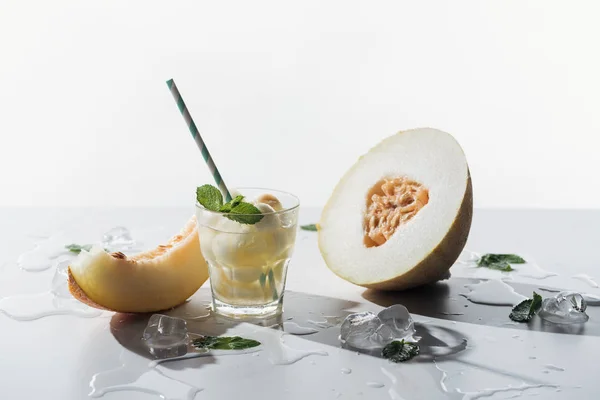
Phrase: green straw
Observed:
(198, 139)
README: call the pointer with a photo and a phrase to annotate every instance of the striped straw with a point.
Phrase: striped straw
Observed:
(198, 139)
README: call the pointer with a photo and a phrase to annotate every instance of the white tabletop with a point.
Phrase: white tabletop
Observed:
(74, 357)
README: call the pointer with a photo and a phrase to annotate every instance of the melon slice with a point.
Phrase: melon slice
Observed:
(401, 215)
(151, 281)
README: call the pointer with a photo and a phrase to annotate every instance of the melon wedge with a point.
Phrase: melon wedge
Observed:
(400, 217)
(155, 280)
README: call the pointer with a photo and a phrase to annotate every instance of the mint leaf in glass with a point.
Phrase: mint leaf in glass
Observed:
(245, 213)
(224, 343)
(209, 197)
(228, 206)
(309, 227)
(399, 351)
(525, 310)
(500, 262)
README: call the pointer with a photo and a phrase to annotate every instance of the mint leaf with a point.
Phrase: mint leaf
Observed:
(500, 266)
(500, 262)
(309, 227)
(245, 213)
(489, 258)
(224, 343)
(399, 351)
(526, 309)
(228, 206)
(209, 197)
(76, 248)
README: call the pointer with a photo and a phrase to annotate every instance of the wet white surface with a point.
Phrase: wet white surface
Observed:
(70, 357)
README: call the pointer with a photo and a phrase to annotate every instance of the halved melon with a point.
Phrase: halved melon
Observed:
(401, 215)
(151, 281)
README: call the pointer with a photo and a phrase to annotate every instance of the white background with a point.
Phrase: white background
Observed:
(289, 94)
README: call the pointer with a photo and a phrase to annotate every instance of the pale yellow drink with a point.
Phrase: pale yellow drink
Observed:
(248, 262)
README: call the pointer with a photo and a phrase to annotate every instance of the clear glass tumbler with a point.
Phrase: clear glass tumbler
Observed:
(248, 262)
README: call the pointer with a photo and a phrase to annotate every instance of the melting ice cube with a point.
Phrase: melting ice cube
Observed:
(166, 336)
(365, 331)
(368, 331)
(60, 286)
(118, 239)
(398, 319)
(564, 308)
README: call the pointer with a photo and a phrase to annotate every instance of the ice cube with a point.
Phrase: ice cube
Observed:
(564, 308)
(365, 331)
(118, 239)
(398, 319)
(166, 336)
(60, 286)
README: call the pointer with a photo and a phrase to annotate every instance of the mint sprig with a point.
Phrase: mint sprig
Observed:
(224, 343)
(400, 350)
(309, 227)
(236, 210)
(525, 310)
(500, 262)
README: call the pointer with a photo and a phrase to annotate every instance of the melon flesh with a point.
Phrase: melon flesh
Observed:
(155, 280)
(423, 247)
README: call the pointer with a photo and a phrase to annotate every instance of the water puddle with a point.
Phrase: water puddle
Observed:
(520, 390)
(153, 381)
(587, 279)
(493, 292)
(279, 352)
(29, 307)
(56, 301)
(533, 270)
(45, 254)
(295, 329)
(530, 269)
(327, 322)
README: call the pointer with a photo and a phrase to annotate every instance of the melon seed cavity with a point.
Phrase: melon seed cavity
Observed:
(390, 203)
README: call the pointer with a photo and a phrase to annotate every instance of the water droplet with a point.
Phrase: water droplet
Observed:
(376, 385)
(346, 371)
(554, 367)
